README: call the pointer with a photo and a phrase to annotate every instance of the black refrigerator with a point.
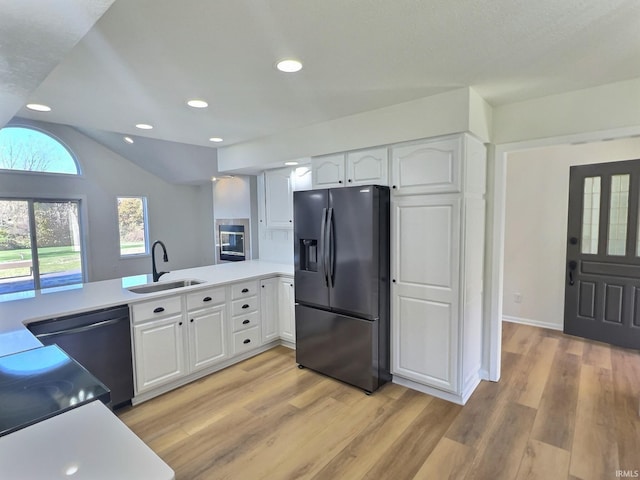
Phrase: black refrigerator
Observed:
(341, 253)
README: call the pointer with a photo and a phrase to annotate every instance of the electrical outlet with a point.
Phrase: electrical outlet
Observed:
(517, 297)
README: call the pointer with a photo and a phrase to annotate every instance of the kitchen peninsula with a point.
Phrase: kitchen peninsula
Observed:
(219, 289)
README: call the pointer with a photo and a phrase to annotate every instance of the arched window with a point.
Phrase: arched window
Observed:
(31, 150)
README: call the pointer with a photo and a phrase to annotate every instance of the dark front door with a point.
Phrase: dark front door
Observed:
(602, 293)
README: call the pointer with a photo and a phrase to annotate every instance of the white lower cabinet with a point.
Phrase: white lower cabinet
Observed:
(159, 352)
(167, 349)
(269, 309)
(179, 338)
(286, 309)
(207, 333)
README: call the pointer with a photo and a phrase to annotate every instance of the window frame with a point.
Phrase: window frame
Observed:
(145, 220)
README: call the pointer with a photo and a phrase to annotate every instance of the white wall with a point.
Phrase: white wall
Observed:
(455, 111)
(176, 212)
(607, 107)
(536, 225)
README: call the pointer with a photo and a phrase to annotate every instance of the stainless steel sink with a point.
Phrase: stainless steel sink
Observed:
(159, 287)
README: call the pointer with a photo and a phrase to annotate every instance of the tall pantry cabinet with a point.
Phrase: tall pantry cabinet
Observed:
(437, 245)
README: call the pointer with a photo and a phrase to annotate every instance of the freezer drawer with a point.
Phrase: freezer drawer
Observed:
(342, 347)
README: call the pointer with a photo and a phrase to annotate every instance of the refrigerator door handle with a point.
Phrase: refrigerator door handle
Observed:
(323, 256)
(331, 247)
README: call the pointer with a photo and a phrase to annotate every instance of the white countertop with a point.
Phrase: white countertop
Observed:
(88, 442)
(91, 437)
(43, 304)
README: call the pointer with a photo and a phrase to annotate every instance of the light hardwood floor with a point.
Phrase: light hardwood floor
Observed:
(565, 408)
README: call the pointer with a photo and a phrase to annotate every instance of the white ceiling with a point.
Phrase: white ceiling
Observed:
(144, 58)
(34, 38)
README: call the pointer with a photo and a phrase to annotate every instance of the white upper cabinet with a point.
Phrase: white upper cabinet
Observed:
(327, 171)
(278, 198)
(368, 167)
(430, 166)
(362, 167)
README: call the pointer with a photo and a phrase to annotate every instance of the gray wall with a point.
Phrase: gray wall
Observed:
(179, 215)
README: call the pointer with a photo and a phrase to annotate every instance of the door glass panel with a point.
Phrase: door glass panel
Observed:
(590, 215)
(58, 241)
(618, 208)
(16, 268)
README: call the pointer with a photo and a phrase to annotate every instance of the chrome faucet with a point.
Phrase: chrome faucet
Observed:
(154, 271)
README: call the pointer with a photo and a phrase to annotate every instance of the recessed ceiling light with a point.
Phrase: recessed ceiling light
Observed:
(38, 107)
(215, 139)
(197, 103)
(289, 66)
(291, 163)
(128, 139)
(144, 126)
(213, 179)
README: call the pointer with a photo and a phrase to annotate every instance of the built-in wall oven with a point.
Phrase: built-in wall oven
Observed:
(232, 240)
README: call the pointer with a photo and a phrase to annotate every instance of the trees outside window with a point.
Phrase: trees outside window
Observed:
(132, 221)
(30, 150)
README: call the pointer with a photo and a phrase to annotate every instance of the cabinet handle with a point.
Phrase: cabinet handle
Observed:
(247, 341)
(245, 290)
(291, 284)
(339, 181)
(393, 186)
(394, 280)
(290, 221)
(246, 305)
(191, 320)
(158, 310)
(206, 299)
(245, 322)
(349, 180)
(180, 323)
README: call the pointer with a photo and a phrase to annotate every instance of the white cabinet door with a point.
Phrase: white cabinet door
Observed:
(425, 271)
(207, 337)
(278, 198)
(426, 167)
(368, 167)
(269, 309)
(159, 352)
(286, 309)
(328, 171)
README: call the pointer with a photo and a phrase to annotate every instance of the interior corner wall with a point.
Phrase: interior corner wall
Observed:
(174, 211)
(536, 225)
(606, 107)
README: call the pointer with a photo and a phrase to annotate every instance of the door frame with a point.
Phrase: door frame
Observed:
(495, 229)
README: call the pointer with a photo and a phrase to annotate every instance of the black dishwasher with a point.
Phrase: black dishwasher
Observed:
(100, 340)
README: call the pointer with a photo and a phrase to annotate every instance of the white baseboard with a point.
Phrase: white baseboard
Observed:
(448, 396)
(533, 323)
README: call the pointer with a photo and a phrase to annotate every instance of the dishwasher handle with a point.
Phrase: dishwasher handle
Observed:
(85, 328)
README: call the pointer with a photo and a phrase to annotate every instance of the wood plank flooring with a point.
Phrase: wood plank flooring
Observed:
(565, 408)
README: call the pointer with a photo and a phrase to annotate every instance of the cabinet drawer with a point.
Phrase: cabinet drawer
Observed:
(242, 322)
(244, 289)
(160, 307)
(206, 298)
(246, 340)
(244, 305)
